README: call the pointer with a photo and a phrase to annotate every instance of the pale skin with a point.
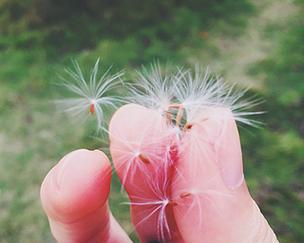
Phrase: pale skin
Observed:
(211, 200)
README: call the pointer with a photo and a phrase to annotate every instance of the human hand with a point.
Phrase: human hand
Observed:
(183, 187)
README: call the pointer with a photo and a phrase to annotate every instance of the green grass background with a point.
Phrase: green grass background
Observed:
(257, 43)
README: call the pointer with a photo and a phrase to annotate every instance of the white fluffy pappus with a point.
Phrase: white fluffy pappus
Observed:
(135, 155)
(198, 196)
(186, 93)
(91, 95)
(152, 88)
(154, 202)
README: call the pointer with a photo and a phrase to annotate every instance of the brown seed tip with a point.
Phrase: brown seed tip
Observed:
(144, 159)
(184, 194)
(92, 108)
(172, 203)
(188, 126)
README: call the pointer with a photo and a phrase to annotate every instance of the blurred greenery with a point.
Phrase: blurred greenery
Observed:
(259, 41)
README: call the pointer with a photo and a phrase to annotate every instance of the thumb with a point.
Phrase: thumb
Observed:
(214, 204)
(74, 196)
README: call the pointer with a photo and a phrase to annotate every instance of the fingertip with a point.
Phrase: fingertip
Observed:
(131, 129)
(220, 129)
(213, 174)
(124, 119)
(77, 185)
(229, 153)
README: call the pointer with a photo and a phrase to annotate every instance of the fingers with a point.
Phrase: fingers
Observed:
(140, 141)
(185, 185)
(259, 229)
(218, 207)
(74, 196)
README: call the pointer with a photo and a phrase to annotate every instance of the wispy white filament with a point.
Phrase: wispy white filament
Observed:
(156, 203)
(184, 92)
(91, 95)
(152, 88)
(195, 91)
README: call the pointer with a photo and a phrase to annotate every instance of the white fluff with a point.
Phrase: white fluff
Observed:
(194, 91)
(91, 95)
(152, 88)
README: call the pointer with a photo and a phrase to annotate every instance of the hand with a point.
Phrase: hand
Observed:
(199, 196)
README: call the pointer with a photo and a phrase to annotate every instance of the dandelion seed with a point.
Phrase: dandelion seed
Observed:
(180, 96)
(199, 91)
(153, 88)
(144, 158)
(135, 156)
(93, 93)
(144, 152)
(154, 202)
(188, 126)
(92, 107)
(185, 194)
